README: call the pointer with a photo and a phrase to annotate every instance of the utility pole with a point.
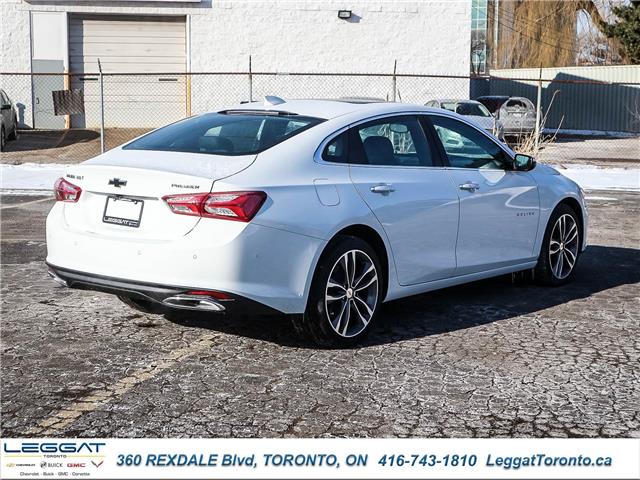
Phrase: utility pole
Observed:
(496, 9)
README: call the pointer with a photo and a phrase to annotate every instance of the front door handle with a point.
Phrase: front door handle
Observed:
(469, 186)
(383, 188)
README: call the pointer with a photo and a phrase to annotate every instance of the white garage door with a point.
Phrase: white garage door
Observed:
(129, 44)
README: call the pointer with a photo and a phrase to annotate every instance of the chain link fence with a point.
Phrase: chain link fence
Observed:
(65, 118)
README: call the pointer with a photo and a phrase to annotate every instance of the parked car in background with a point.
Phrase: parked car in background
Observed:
(517, 114)
(9, 120)
(314, 208)
(475, 111)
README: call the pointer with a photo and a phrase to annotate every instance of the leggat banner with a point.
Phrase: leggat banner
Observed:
(321, 458)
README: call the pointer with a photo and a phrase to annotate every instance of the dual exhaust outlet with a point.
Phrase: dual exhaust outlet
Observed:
(182, 301)
(194, 302)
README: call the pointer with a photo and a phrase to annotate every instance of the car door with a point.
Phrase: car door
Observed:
(397, 171)
(499, 207)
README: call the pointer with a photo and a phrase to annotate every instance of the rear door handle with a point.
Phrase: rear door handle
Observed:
(469, 186)
(383, 188)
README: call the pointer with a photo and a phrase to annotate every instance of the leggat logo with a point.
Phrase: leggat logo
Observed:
(53, 447)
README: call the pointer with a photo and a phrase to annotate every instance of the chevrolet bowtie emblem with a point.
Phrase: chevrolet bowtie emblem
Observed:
(116, 182)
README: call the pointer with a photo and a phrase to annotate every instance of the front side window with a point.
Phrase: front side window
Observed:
(472, 109)
(493, 104)
(225, 133)
(394, 141)
(467, 147)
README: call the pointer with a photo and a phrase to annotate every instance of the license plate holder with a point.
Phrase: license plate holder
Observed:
(123, 211)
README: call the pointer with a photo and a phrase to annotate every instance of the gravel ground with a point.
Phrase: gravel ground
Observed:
(487, 359)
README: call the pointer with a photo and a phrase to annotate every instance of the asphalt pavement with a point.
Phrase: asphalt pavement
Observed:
(493, 358)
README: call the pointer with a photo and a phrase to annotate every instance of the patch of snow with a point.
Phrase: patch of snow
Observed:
(36, 179)
(595, 178)
(603, 199)
(28, 178)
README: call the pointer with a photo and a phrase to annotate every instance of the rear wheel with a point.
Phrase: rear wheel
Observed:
(144, 306)
(560, 248)
(345, 295)
(3, 140)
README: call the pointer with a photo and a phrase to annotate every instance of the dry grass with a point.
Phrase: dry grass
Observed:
(532, 143)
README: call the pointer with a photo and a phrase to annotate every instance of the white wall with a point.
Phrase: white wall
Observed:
(429, 36)
(15, 55)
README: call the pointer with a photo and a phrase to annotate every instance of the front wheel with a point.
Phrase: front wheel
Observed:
(345, 294)
(560, 248)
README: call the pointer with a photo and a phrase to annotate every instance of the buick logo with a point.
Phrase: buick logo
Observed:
(116, 182)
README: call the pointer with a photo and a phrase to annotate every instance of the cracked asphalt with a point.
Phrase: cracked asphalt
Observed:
(493, 358)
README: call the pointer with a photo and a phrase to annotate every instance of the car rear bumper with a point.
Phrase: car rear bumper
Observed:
(161, 295)
(266, 265)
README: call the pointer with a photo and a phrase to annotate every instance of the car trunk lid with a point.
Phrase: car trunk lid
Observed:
(122, 191)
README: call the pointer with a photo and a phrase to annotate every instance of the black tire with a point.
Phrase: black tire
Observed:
(144, 306)
(360, 303)
(14, 133)
(546, 271)
(3, 140)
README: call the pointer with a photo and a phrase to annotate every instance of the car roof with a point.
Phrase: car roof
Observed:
(494, 97)
(328, 109)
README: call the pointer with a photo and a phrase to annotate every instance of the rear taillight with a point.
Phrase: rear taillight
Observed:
(238, 206)
(66, 192)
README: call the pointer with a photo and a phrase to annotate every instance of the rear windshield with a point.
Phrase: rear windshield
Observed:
(224, 133)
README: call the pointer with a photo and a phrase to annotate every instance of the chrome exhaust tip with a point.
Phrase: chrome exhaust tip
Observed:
(57, 279)
(194, 302)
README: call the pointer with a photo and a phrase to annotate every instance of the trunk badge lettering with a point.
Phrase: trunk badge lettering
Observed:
(116, 182)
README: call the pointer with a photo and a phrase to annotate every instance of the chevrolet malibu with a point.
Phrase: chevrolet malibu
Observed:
(321, 210)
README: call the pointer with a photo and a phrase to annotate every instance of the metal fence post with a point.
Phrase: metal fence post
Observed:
(394, 81)
(538, 112)
(101, 107)
(250, 81)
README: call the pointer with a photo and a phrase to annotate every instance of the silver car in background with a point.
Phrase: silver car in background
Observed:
(8, 120)
(517, 114)
(474, 111)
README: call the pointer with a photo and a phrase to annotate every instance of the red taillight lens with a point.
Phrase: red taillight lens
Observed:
(66, 192)
(238, 206)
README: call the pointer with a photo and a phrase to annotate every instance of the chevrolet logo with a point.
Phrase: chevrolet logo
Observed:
(116, 182)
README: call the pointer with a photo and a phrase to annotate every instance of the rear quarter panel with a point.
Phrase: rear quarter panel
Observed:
(305, 197)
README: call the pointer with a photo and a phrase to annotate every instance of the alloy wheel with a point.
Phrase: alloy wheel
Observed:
(351, 295)
(563, 246)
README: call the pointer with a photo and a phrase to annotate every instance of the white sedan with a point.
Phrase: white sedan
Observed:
(318, 209)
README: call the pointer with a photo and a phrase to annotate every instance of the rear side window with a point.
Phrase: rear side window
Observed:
(337, 150)
(225, 134)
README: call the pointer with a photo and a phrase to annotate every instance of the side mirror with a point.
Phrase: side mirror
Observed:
(524, 163)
